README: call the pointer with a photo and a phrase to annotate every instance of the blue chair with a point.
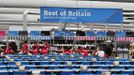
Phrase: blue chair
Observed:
(53, 67)
(20, 73)
(1, 63)
(125, 63)
(85, 63)
(119, 74)
(4, 73)
(42, 73)
(41, 68)
(13, 68)
(55, 63)
(95, 73)
(68, 67)
(97, 63)
(85, 72)
(4, 65)
(67, 73)
(126, 72)
(5, 59)
(32, 63)
(11, 64)
(131, 68)
(103, 67)
(47, 73)
(25, 63)
(31, 68)
(109, 63)
(43, 63)
(3, 68)
(118, 68)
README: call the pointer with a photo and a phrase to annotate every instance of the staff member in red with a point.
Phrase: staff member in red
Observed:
(79, 50)
(34, 50)
(46, 44)
(85, 52)
(44, 51)
(9, 50)
(67, 51)
(25, 47)
(37, 45)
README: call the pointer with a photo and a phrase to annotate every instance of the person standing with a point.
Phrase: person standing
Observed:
(108, 50)
(100, 52)
(85, 52)
(9, 50)
(25, 48)
(44, 51)
(34, 50)
(14, 47)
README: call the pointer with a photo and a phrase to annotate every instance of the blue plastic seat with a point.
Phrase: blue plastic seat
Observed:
(1, 63)
(97, 63)
(68, 67)
(85, 72)
(20, 73)
(109, 63)
(42, 73)
(13, 68)
(86, 63)
(103, 67)
(4, 73)
(119, 74)
(4, 65)
(3, 68)
(5, 59)
(67, 73)
(43, 63)
(125, 63)
(11, 64)
(47, 73)
(131, 68)
(41, 68)
(25, 63)
(127, 72)
(53, 67)
(32, 63)
(118, 68)
(31, 68)
(55, 63)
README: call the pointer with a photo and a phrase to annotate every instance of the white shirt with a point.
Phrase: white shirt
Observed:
(100, 53)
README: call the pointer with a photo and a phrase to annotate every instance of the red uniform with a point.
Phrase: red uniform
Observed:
(9, 51)
(79, 50)
(34, 51)
(44, 51)
(85, 52)
(37, 46)
(74, 51)
(67, 52)
(25, 48)
(47, 46)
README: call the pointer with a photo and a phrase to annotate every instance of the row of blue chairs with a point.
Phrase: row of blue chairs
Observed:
(65, 63)
(38, 62)
(61, 58)
(67, 73)
(54, 67)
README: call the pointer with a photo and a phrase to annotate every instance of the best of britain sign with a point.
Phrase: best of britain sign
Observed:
(88, 15)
